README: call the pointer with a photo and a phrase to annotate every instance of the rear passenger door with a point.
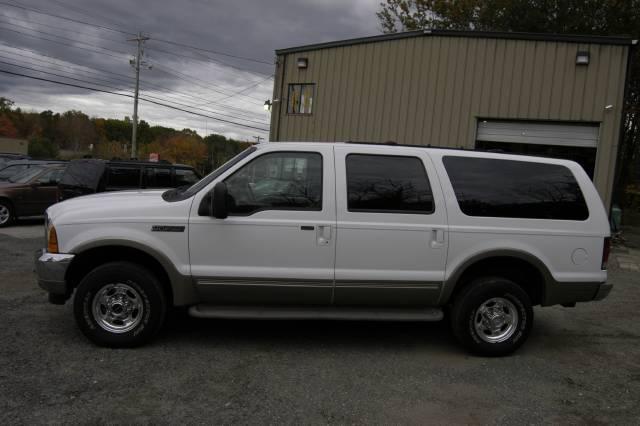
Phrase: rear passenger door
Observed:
(391, 227)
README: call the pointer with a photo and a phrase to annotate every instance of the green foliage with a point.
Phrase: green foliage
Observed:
(221, 149)
(5, 104)
(40, 147)
(74, 132)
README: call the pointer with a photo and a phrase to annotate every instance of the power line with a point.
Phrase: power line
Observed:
(77, 21)
(75, 70)
(61, 60)
(60, 42)
(59, 75)
(208, 84)
(131, 96)
(215, 52)
(199, 82)
(207, 59)
(40, 11)
(121, 89)
(85, 13)
(64, 38)
(58, 28)
(241, 90)
(240, 112)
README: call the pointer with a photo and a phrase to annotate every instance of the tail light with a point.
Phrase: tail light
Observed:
(606, 248)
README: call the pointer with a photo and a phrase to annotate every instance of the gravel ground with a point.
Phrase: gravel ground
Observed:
(580, 365)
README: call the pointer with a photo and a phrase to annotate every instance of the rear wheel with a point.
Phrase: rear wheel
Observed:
(492, 316)
(120, 304)
(6, 213)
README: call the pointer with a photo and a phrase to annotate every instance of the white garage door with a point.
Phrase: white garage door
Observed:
(536, 133)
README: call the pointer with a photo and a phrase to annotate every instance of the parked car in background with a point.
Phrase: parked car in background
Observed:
(30, 192)
(5, 157)
(12, 168)
(88, 176)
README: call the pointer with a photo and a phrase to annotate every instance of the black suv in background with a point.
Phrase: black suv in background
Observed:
(89, 176)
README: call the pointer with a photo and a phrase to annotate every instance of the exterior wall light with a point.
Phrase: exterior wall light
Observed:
(582, 58)
(302, 62)
(267, 105)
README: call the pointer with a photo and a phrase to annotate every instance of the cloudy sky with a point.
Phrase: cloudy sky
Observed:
(35, 40)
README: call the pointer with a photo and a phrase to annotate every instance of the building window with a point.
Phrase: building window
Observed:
(300, 98)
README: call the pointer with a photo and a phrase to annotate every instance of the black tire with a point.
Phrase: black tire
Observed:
(144, 290)
(6, 206)
(466, 314)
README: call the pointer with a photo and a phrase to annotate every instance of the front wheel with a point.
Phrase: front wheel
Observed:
(6, 214)
(492, 316)
(119, 304)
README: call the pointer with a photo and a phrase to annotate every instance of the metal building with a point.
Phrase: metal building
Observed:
(550, 95)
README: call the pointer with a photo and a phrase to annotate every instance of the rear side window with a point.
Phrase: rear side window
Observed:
(123, 177)
(158, 177)
(387, 184)
(490, 187)
(185, 177)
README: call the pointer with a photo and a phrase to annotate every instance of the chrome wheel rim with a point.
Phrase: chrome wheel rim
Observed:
(496, 320)
(118, 308)
(4, 214)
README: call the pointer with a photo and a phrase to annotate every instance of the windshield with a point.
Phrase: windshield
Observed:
(26, 175)
(182, 193)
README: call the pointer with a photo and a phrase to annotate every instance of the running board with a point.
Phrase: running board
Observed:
(316, 313)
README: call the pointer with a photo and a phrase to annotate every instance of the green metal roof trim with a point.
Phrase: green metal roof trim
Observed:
(567, 38)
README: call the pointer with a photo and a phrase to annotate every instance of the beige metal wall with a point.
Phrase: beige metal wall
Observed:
(14, 146)
(433, 89)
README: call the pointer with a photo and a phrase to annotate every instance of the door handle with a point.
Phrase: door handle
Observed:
(437, 238)
(323, 234)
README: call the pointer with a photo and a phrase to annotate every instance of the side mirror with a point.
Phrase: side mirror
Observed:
(219, 201)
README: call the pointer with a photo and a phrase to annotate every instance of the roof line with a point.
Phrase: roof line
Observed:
(567, 38)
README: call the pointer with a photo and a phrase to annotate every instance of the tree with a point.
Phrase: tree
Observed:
(7, 129)
(180, 148)
(42, 148)
(596, 17)
(5, 104)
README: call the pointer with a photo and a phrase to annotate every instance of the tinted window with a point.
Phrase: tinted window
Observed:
(123, 177)
(387, 184)
(519, 189)
(283, 180)
(185, 177)
(158, 177)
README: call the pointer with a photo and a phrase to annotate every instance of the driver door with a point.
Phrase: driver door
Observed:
(277, 246)
(43, 192)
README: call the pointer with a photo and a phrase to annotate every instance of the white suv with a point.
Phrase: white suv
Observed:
(336, 231)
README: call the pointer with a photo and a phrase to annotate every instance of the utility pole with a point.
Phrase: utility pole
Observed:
(136, 63)
(258, 138)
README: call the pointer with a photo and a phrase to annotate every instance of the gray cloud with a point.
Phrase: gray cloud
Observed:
(249, 28)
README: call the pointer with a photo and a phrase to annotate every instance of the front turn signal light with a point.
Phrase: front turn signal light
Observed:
(52, 240)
